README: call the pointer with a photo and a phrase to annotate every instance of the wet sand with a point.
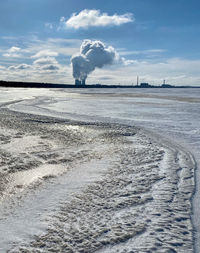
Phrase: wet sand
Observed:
(132, 194)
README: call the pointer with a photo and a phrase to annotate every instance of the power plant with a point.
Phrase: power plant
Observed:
(79, 82)
(92, 55)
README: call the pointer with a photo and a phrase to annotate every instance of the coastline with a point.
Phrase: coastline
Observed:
(132, 145)
(16, 84)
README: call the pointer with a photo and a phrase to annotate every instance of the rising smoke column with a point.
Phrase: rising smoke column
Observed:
(93, 54)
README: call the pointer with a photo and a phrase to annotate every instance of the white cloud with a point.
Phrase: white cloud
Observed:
(46, 64)
(45, 61)
(141, 52)
(50, 67)
(88, 18)
(127, 62)
(52, 47)
(12, 52)
(44, 53)
(49, 25)
(19, 67)
(62, 41)
(14, 49)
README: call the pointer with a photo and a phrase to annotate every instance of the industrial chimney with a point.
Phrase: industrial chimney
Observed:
(77, 82)
(80, 82)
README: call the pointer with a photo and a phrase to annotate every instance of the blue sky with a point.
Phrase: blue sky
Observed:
(158, 39)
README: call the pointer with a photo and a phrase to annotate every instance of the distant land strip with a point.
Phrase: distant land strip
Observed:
(14, 84)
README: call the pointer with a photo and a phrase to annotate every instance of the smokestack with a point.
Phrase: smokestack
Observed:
(93, 54)
(137, 80)
(77, 82)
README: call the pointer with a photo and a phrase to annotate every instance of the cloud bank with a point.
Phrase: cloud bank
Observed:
(94, 18)
(36, 61)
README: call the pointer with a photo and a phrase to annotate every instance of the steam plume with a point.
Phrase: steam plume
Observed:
(93, 54)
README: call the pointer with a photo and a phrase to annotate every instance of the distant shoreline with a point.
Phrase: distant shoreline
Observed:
(13, 84)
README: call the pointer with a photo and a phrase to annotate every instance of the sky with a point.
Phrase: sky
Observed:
(153, 39)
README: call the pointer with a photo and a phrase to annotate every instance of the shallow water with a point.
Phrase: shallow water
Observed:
(173, 113)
